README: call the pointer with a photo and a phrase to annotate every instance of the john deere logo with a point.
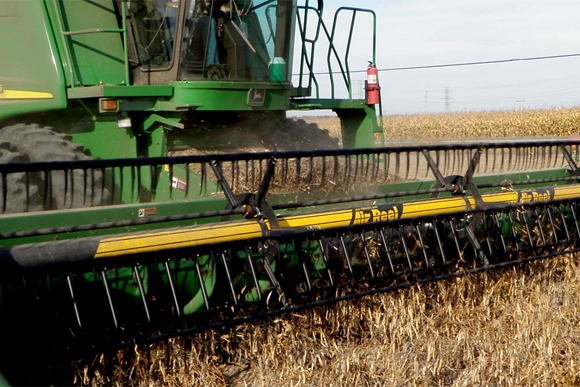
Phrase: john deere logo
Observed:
(256, 97)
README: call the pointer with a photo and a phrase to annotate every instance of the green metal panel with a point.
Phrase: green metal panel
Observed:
(358, 127)
(86, 32)
(112, 91)
(230, 96)
(107, 141)
(31, 77)
(51, 219)
(358, 120)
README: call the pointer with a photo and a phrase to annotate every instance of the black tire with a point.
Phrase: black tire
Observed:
(73, 190)
(297, 134)
(19, 197)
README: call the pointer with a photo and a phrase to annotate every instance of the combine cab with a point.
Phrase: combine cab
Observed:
(113, 243)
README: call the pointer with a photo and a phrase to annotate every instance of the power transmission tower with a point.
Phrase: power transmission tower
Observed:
(427, 102)
(447, 99)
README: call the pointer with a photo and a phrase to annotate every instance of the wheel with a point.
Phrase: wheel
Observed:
(70, 189)
(18, 198)
(297, 134)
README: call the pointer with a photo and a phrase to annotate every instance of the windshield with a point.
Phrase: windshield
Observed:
(236, 40)
(153, 24)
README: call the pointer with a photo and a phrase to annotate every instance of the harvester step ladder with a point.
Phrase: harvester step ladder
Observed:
(66, 46)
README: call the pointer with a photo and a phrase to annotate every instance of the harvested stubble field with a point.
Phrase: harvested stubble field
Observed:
(515, 327)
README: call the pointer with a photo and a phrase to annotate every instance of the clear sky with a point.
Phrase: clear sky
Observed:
(432, 32)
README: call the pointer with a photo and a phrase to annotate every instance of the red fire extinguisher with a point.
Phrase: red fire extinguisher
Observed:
(372, 85)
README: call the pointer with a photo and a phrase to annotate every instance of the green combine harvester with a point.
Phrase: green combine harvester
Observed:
(107, 241)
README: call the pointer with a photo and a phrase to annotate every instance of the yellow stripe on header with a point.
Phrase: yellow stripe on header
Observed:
(178, 238)
(147, 242)
(19, 94)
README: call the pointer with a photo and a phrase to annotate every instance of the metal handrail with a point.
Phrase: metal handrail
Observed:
(66, 47)
(307, 59)
(91, 31)
(347, 53)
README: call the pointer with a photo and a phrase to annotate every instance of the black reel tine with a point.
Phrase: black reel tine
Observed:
(67, 190)
(48, 190)
(110, 298)
(336, 167)
(367, 162)
(74, 300)
(228, 270)
(417, 161)
(347, 257)
(85, 186)
(112, 184)
(376, 168)
(137, 276)
(5, 191)
(172, 288)
(346, 168)
(367, 255)
(27, 188)
(537, 156)
(387, 252)
(260, 176)
(545, 161)
(455, 161)
(402, 238)
(437, 162)
(409, 169)
(387, 160)
(358, 168)
(283, 175)
(573, 211)
(298, 168)
(253, 172)
(323, 172)
(202, 282)
(439, 241)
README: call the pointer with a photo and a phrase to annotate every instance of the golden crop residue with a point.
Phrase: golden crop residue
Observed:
(514, 327)
(527, 123)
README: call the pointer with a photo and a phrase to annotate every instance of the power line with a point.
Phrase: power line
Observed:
(461, 64)
(478, 63)
(512, 85)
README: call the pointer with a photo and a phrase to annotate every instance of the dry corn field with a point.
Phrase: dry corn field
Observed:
(536, 123)
(515, 327)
